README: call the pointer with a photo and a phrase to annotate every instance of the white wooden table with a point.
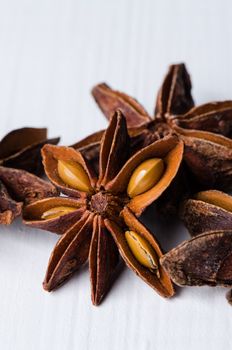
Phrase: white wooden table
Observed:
(51, 54)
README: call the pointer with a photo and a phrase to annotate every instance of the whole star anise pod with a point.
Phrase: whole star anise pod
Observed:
(20, 149)
(205, 130)
(98, 214)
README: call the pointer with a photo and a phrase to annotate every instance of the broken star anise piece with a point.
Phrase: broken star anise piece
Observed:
(215, 117)
(98, 216)
(110, 100)
(18, 187)
(21, 148)
(9, 209)
(209, 156)
(205, 129)
(203, 260)
(207, 211)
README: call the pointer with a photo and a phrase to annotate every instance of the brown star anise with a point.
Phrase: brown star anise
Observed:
(18, 187)
(20, 149)
(205, 130)
(202, 260)
(98, 214)
(208, 211)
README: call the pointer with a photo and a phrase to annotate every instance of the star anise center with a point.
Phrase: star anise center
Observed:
(107, 204)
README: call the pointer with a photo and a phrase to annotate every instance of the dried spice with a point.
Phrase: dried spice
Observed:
(9, 209)
(207, 211)
(21, 148)
(208, 153)
(18, 187)
(215, 117)
(203, 260)
(98, 218)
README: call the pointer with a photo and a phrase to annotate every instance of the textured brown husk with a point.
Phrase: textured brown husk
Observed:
(21, 148)
(209, 156)
(25, 187)
(109, 263)
(199, 216)
(70, 252)
(9, 209)
(215, 117)
(110, 100)
(204, 260)
(174, 96)
(19, 155)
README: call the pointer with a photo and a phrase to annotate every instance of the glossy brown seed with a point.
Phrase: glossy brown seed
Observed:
(52, 154)
(172, 157)
(159, 281)
(142, 250)
(145, 176)
(57, 212)
(203, 260)
(73, 175)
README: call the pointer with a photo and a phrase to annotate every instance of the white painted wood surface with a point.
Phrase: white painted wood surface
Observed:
(51, 54)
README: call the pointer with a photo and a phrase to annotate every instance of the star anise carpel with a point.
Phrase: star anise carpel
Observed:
(17, 188)
(21, 149)
(19, 157)
(205, 130)
(98, 212)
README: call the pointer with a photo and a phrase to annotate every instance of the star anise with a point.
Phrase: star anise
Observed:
(205, 130)
(202, 260)
(18, 187)
(21, 149)
(98, 214)
(207, 211)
